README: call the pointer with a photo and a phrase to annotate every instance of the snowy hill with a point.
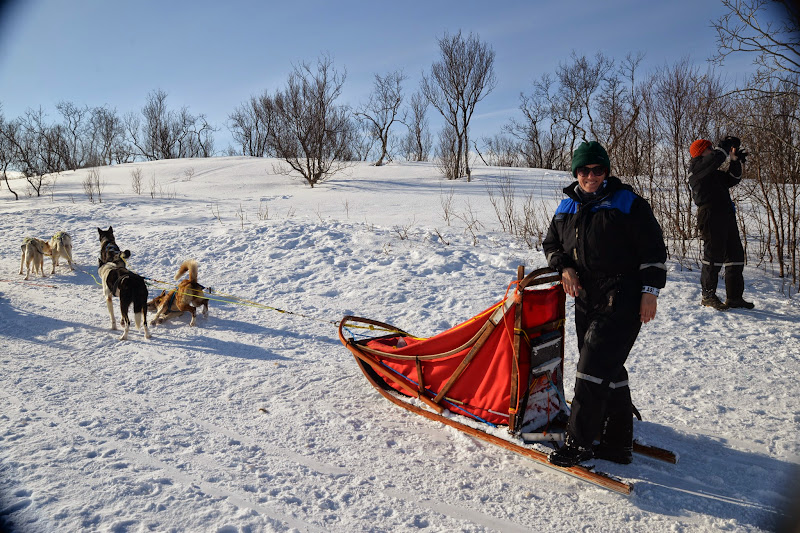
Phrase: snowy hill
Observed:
(257, 420)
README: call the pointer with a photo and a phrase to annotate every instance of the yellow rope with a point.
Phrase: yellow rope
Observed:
(236, 300)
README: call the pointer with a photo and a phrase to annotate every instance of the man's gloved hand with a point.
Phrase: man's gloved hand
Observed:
(741, 155)
(729, 142)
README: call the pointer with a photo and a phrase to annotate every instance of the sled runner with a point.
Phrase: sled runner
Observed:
(501, 367)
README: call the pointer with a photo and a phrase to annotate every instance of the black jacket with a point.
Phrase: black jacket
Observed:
(709, 184)
(614, 235)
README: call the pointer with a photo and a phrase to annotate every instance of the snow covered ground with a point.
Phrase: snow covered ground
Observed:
(257, 420)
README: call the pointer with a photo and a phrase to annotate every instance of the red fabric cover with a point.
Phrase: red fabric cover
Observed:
(484, 387)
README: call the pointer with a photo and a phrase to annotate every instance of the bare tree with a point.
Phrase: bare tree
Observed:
(197, 135)
(585, 100)
(363, 141)
(542, 136)
(74, 128)
(767, 30)
(159, 130)
(92, 186)
(36, 147)
(579, 81)
(646, 132)
(167, 134)
(528, 130)
(448, 160)
(108, 137)
(252, 124)
(502, 151)
(381, 110)
(418, 142)
(312, 131)
(6, 153)
(461, 78)
(618, 105)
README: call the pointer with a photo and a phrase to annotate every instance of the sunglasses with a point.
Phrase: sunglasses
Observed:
(597, 171)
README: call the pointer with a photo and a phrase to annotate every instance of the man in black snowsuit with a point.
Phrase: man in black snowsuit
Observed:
(609, 248)
(716, 219)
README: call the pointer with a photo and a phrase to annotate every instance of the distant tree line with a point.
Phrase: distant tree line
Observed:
(646, 121)
(96, 136)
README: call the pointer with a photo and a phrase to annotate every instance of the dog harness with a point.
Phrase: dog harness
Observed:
(172, 296)
(115, 287)
(170, 300)
(111, 248)
(35, 242)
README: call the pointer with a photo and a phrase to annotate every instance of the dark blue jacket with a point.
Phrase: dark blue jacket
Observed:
(615, 235)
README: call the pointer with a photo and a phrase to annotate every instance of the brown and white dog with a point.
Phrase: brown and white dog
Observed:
(187, 297)
(61, 246)
(33, 252)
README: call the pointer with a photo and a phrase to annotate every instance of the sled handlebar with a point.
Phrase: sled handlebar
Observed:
(540, 276)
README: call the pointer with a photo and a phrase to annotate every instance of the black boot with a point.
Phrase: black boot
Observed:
(739, 303)
(621, 454)
(616, 441)
(570, 454)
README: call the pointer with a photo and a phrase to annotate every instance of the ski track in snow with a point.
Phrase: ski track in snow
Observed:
(257, 420)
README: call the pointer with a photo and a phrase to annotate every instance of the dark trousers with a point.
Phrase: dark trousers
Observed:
(722, 247)
(607, 323)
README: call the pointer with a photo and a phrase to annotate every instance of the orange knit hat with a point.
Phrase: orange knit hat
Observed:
(698, 147)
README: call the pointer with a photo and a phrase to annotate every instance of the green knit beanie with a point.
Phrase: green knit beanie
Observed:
(591, 153)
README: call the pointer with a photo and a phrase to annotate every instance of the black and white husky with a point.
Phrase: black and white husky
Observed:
(130, 288)
(109, 251)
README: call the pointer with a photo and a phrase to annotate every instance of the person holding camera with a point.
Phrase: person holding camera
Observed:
(716, 219)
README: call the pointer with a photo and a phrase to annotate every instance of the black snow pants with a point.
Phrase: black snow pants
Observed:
(722, 247)
(607, 323)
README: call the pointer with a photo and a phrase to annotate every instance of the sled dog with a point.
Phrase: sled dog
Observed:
(129, 287)
(109, 251)
(33, 252)
(61, 246)
(187, 297)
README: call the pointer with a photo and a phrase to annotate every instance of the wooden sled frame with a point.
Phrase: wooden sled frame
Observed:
(368, 356)
(377, 375)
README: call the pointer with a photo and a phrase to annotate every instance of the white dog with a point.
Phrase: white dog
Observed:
(33, 252)
(61, 246)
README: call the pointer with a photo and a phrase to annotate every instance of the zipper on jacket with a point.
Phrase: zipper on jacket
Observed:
(575, 250)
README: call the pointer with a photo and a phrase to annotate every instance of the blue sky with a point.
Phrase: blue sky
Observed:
(212, 56)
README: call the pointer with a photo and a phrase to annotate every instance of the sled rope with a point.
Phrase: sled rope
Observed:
(236, 300)
(31, 283)
(91, 275)
(370, 327)
(225, 298)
